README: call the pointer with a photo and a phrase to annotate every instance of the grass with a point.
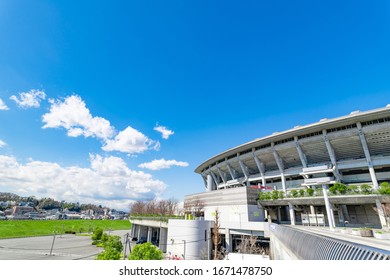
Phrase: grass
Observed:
(12, 229)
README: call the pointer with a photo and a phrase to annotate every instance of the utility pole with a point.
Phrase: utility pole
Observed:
(52, 245)
(127, 243)
(184, 253)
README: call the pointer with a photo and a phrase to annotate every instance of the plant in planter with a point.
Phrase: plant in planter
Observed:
(365, 189)
(384, 188)
(294, 193)
(274, 195)
(309, 191)
(366, 232)
(381, 235)
(352, 189)
(302, 193)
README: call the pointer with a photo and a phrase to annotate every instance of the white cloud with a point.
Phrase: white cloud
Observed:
(130, 141)
(73, 115)
(29, 99)
(3, 106)
(108, 181)
(2, 143)
(158, 164)
(165, 133)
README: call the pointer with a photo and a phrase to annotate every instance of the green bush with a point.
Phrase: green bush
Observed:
(352, 189)
(112, 247)
(294, 193)
(384, 188)
(146, 251)
(365, 189)
(338, 188)
(309, 191)
(385, 184)
(333, 190)
(110, 254)
(113, 242)
(302, 193)
(264, 196)
(274, 195)
(97, 234)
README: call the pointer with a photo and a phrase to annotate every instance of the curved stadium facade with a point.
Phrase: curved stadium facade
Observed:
(353, 150)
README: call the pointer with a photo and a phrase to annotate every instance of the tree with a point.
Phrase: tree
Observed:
(218, 252)
(249, 245)
(146, 251)
(195, 207)
(137, 208)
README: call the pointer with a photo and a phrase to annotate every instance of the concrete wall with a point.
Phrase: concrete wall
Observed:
(186, 238)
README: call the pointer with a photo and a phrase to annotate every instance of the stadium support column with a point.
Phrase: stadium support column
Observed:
(368, 156)
(292, 213)
(149, 236)
(215, 180)
(332, 155)
(381, 213)
(302, 156)
(279, 162)
(231, 171)
(328, 206)
(244, 170)
(222, 174)
(210, 183)
(261, 168)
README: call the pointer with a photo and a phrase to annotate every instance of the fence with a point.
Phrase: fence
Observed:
(309, 246)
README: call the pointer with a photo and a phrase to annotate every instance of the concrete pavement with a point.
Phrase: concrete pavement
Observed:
(66, 247)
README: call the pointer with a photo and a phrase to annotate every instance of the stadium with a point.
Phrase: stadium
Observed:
(353, 150)
(301, 166)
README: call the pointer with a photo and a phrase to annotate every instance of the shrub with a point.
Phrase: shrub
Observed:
(281, 194)
(294, 193)
(112, 247)
(302, 192)
(385, 184)
(146, 251)
(384, 188)
(104, 237)
(113, 242)
(352, 189)
(333, 189)
(264, 196)
(110, 254)
(365, 189)
(97, 234)
(338, 188)
(274, 194)
(309, 191)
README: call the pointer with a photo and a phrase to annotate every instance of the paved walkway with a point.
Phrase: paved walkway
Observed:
(66, 247)
(367, 241)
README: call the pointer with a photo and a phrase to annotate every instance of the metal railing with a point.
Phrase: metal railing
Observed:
(310, 246)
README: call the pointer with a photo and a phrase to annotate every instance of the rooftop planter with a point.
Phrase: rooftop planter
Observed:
(381, 234)
(366, 232)
(337, 194)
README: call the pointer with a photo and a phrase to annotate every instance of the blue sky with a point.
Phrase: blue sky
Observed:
(86, 85)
